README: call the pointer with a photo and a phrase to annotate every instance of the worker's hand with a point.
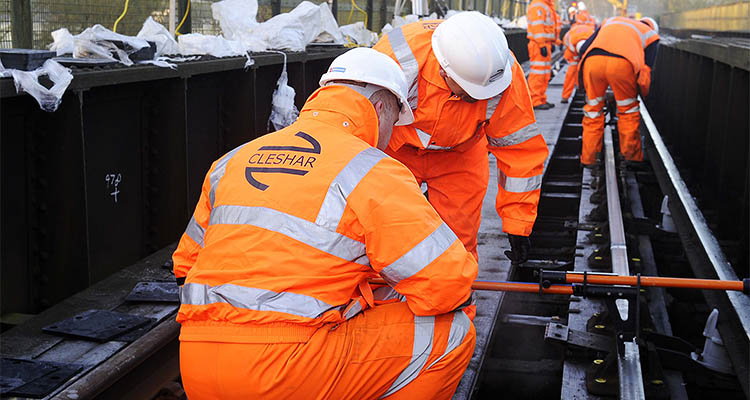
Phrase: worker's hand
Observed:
(519, 249)
(544, 51)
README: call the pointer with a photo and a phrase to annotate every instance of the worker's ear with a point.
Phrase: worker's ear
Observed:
(378, 107)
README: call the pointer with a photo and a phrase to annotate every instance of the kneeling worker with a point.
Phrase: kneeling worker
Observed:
(287, 231)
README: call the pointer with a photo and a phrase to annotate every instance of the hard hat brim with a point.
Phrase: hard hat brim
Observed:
(485, 92)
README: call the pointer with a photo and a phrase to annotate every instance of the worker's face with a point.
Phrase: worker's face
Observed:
(387, 117)
(455, 88)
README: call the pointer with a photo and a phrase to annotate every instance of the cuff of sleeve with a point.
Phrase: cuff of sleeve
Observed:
(517, 227)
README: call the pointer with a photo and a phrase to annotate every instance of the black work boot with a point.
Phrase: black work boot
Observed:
(545, 106)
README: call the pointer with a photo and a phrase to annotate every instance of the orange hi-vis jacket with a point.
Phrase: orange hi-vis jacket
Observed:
(558, 27)
(290, 226)
(444, 122)
(583, 17)
(627, 38)
(541, 22)
(576, 33)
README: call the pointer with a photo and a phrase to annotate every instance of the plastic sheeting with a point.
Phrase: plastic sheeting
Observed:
(157, 33)
(217, 46)
(48, 98)
(289, 31)
(283, 110)
(237, 21)
(360, 35)
(96, 42)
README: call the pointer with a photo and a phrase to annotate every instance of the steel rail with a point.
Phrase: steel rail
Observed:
(715, 254)
(138, 371)
(628, 364)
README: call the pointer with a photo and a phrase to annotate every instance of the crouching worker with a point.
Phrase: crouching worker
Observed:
(274, 265)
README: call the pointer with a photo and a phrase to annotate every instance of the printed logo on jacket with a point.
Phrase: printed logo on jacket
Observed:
(293, 160)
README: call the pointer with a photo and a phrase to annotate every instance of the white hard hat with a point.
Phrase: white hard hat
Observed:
(579, 45)
(473, 51)
(572, 10)
(365, 65)
(581, 6)
(650, 22)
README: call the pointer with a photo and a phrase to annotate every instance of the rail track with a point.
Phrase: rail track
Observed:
(610, 219)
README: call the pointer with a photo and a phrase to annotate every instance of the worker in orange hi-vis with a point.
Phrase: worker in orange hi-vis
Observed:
(470, 96)
(572, 10)
(620, 55)
(583, 16)
(274, 265)
(578, 33)
(558, 28)
(541, 34)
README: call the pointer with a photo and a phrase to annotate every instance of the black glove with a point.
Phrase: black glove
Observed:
(544, 51)
(519, 249)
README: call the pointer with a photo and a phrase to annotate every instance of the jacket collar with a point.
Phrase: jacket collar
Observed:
(344, 109)
(431, 72)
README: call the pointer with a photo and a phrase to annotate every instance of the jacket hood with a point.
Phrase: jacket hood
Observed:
(345, 109)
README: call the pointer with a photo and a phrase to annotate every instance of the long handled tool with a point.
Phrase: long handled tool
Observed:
(657, 281)
(562, 282)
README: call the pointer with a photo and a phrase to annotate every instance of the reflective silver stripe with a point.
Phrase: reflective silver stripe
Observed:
(519, 185)
(343, 185)
(573, 63)
(352, 310)
(195, 231)
(385, 293)
(594, 102)
(409, 64)
(296, 228)
(625, 102)
(540, 5)
(424, 137)
(516, 137)
(218, 173)
(643, 36)
(540, 22)
(647, 35)
(424, 332)
(436, 147)
(253, 299)
(592, 114)
(459, 328)
(420, 255)
(538, 72)
(543, 35)
(492, 103)
(540, 63)
(637, 108)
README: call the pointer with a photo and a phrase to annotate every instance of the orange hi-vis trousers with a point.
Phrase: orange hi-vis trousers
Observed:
(385, 351)
(540, 69)
(599, 72)
(456, 185)
(571, 79)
